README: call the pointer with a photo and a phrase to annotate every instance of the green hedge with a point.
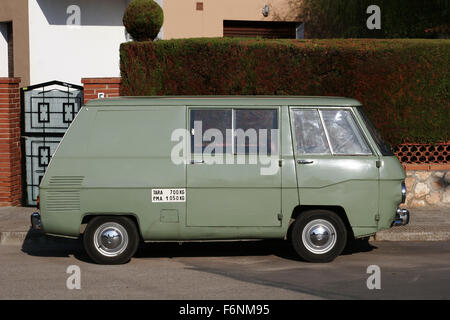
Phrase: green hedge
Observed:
(404, 85)
(347, 18)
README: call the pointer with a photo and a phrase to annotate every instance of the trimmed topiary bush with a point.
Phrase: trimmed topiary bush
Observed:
(404, 85)
(143, 19)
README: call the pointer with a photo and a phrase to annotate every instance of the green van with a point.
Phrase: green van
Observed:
(311, 170)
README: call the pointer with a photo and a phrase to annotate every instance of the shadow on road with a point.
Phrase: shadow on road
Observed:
(212, 248)
(37, 244)
(357, 246)
(40, 245)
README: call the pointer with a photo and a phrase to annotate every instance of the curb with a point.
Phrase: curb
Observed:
(414, 236)
(415, 233)
(12, 237)
(25, 237)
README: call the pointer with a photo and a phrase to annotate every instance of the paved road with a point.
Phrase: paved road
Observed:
(230, 270)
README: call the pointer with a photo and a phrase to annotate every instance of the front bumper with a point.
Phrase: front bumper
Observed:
(36, 222)
(401, 218)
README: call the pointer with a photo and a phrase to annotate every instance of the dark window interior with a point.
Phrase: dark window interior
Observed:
(244, 119)
(211, 119)
(10, 50)
(264, 119)
(263, 29)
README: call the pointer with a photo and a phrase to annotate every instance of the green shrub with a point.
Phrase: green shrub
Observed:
(404, 85)
(143, 19)
(347, 18)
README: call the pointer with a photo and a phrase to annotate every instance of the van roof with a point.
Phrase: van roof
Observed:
(224, 100)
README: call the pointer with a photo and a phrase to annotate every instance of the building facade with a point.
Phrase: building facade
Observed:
(45, 40)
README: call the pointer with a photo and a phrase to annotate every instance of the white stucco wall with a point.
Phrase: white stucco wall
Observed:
(3, 50)
(66, 52)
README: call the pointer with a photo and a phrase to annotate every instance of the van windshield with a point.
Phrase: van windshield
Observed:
(383, 146)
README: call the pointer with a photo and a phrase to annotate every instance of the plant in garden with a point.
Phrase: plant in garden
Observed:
(143, 19)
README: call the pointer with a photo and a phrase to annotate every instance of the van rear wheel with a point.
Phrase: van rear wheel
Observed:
(111, 240)
(318, 235)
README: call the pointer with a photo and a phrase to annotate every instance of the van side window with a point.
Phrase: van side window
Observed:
(309, 132)
(210, 123)
(241, 131)
(255, 131)
(344, 134)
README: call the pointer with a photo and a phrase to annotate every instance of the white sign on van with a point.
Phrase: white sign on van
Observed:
(168, 195)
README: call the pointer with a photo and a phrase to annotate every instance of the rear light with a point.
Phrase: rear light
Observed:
(37, 202)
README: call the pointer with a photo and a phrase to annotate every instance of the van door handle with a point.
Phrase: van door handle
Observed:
(305, 161)
(197, 161)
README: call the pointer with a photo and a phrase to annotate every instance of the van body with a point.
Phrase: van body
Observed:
(155, 163)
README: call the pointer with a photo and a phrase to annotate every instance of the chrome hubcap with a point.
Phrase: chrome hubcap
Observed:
(319, 236)
(111, 239)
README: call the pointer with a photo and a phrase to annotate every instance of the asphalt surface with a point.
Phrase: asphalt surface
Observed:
(227, 270)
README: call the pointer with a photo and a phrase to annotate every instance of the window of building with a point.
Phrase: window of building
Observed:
(263, 29)
(6, 50)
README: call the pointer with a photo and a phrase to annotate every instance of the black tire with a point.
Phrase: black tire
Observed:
(326, 221)
(122, 228)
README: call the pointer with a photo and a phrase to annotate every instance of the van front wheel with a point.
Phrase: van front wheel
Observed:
(111, 240)
(318, 235)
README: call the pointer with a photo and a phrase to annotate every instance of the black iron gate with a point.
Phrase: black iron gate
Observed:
(47, 111)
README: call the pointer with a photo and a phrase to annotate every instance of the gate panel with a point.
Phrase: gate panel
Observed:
(48, 109)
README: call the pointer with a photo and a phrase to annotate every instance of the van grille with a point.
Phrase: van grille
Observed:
(67, 200)
(66, 181)
(67, 197)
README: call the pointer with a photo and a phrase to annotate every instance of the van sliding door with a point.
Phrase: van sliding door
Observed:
(233, 178)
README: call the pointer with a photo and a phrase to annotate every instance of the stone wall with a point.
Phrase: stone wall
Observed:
(427, 188)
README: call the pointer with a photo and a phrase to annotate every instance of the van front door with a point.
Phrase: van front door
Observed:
(229, 183)
(335, 165)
